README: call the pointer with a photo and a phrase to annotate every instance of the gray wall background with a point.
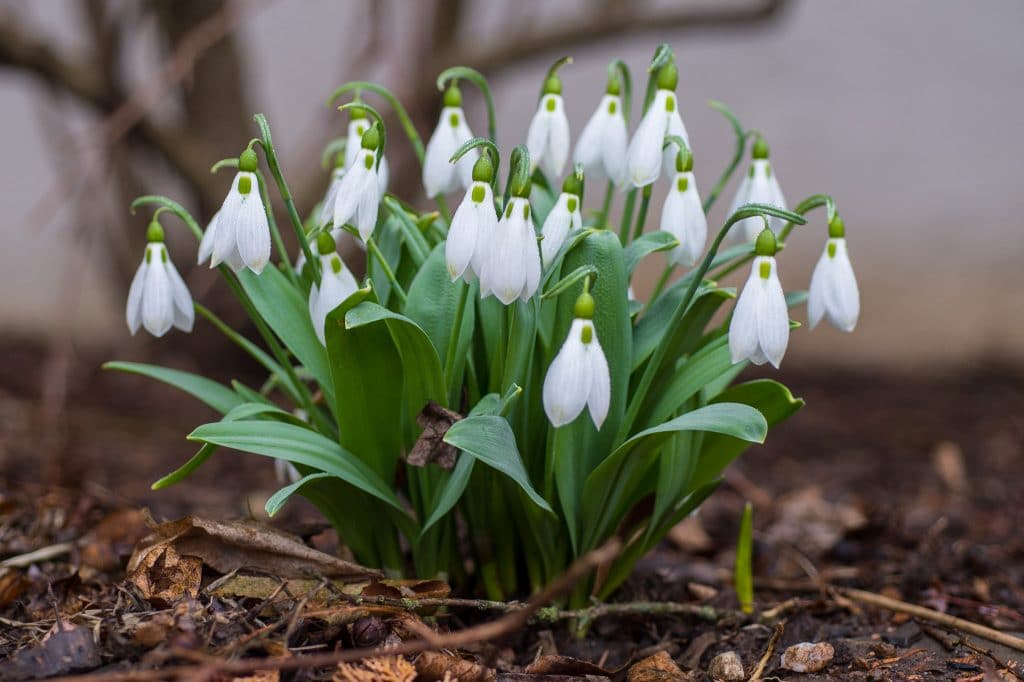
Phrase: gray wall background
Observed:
(908, 112)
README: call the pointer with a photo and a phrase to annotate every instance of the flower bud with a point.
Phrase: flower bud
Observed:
(573, 184)
(371, 138)
(766, 245)
(760, 150)
(614, 87)
(836, 227)
(453, 96)
(684, 161)
(552, 85)
(483, 169)
(325, 243)
(155, 232)
(584, 308)
(668, 77)
(247, 161)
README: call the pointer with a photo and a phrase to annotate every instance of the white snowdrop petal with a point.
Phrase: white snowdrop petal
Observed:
(589, 151)
(184, 311)
(674, 127)
(438, 173)
(487, 224)
(253, 233)
(567, 384)
(369, 202)
(464, 166)
(327, 205)
(600, 395)
(841, 294)
(462, 236)
(224, 238)
(613, 148)
(382, 178)
(347, 201)
(206, 243)
(695, 225)
(555, 229)
(133, 309)
(743, 340)
(354, 143)
(157, 299)
(558, 141)
(772, 316)
(531, 260)
(816, 292)
(537, 136)
(644, 155)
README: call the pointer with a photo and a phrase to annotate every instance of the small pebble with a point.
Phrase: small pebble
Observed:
(807, 657)
(727, 667)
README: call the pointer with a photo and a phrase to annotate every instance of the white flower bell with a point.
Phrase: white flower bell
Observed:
(473, 226)
(238, 233)
(682, 215)
(358, 198)
(646, 154)
(548, 136)
(578, 376)
(336, 284)
(158, 298)
(511, 266)
(602, 146)
(759, 186)
(759, 330)
(563, 218)
(440, 176)
(358, 125)
(833, 292)
(326, 214)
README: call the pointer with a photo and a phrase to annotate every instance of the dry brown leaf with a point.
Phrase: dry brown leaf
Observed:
(689, 536)
(434, 666)
(12, 585)
(380, 669)
(658, 668)
(430, 446)
(111, 541)
(230, 545)
(564, 665)
(164, 576)
(66, 648)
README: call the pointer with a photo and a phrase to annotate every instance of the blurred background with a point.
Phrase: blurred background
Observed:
(906, 112)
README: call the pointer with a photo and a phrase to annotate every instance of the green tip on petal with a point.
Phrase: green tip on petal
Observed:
(766, 245)
(587, 334)
(836, 227)
(371, 138)
(668, 76)
(155, 232)
(483, 169)
(760, 150)
(453, 96)
(325, 243)
(584, 308)
(247, 161)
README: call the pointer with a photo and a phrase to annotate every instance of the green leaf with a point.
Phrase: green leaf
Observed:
(489, 439)
(703, 367)
(770, 398)
(450, 493)
(647, 244)
(217, 396)
(653, 326)
(287, 313)
(389, 240)
(744, 574)
(574, 277)
(197, 460)
(415, 242)
(278, 499)
(299, 446)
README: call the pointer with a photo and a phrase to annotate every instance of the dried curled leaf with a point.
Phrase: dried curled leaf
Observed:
(164, 576)
(430, 446)
(436, 666)
(657, 668)
(381, 669)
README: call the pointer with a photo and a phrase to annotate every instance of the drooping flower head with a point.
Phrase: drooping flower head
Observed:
(578, 376)
(511, 265)
(326, 214)
(759, 186)
(440, 176)
(647, 154)
(601, 148)
(158, 298)
(833, 292)
(682, 214)
(564, 217)
(548, 136)
(358, 126)
(759, 330)
(473, 225)
(358, 197)
(336, 284)
(239, 233)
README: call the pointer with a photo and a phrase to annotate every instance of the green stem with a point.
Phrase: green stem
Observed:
(453, 342)
(267, 144)
(275, 233)
(371, 246)
(607, 205)
(477, 79)
(641, 218)
(741, 144)
(627, 216)
(403, 115)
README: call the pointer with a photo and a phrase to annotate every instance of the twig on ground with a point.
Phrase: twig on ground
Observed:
(943, 619)
(769, 650)
(42, 554)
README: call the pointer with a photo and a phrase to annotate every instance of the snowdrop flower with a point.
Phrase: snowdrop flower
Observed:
(759, 186)
(440, 176)
(238, 233)
(578, 376)
(601, 148)
(833, 293)
(548, 136)
(158, 298)
(327, 205)
(646, 154)
(336, 284)
(511, 267)
(357, 127)
(759, 330)
(473, 226)
(563, 218)
(683, 214)
(358, 197)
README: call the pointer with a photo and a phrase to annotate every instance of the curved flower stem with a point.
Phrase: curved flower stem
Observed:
(453, 342)
(627, 216)
(492, 151)
(371, 246)
(477, 79)
(627, 85)
(641, 216)
(267, 144)
(741, 144)
(403, 115)
(658, 356)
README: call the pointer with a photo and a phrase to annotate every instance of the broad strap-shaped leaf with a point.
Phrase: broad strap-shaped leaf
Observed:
(489, 439)
(770, 398)
(287, 314)
(652, 328)
(648, 243)
(217, 396)
(703, 367)
(299, 446)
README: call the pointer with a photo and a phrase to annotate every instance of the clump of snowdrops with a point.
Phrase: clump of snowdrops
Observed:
(490, 401)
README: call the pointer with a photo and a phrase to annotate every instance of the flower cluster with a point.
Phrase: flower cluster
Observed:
(462, 331)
